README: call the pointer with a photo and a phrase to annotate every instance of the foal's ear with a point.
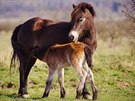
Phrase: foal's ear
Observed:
(74, 5)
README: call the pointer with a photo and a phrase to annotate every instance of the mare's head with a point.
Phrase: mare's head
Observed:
(81, 19)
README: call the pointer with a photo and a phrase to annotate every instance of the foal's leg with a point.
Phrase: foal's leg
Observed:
(83, 74)
(61, 82)
(49, 82)
(85, 93)
(94, 89)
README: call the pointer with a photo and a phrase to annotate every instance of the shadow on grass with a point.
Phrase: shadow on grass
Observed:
(16, 96)
(11, 95)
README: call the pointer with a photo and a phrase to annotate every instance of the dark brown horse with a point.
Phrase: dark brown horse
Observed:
(38, 32)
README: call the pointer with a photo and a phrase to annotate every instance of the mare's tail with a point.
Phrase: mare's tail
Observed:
(15, 46)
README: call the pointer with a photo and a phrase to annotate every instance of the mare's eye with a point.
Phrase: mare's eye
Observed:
(80, 19)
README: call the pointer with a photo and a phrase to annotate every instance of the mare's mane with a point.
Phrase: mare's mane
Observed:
(83, 6)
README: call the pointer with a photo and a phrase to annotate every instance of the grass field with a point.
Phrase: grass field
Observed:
(114, 73)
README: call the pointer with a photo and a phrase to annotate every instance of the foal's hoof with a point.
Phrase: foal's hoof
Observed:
(87, 96)
(25, 96)
(95, 95)
(78, 96)
(63, 93)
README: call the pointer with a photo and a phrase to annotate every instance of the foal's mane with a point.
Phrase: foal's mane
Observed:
(84, 5)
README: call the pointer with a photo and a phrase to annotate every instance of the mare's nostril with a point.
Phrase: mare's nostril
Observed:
(71, 38)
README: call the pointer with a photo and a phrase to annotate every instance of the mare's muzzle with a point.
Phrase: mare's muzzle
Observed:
(73, 36)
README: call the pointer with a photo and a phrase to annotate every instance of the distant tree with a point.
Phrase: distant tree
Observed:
(129, 9)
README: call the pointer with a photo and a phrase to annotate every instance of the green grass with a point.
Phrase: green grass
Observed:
(114, 76)
(115, 81)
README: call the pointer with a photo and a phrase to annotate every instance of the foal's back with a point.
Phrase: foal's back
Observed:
(65, 54)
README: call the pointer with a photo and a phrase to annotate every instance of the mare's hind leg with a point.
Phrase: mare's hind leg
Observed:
(25, 67)
(22, 60)
(29, 65)
(61, 82)
(94, 89)
(49, 82)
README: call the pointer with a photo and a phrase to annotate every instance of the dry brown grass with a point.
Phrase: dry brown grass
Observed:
(114, 37)
(117, 35)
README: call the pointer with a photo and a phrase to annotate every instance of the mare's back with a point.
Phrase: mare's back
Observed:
(43, 32)
(56, 33)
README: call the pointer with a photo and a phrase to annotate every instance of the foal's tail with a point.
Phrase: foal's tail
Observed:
(88, 54)
(15, 46)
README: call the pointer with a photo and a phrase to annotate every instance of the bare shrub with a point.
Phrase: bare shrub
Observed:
(129, 11)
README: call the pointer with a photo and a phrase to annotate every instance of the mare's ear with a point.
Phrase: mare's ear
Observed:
(83, 9)
(74, 5)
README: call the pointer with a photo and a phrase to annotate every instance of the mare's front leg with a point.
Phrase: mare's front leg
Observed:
(49, 81)
(61, 82)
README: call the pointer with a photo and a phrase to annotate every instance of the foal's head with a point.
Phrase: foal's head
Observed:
(81, 19)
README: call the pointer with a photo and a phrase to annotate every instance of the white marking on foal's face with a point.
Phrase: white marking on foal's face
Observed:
(75, 34)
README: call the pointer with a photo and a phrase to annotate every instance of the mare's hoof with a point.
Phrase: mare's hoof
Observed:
(25, 96)
(44, 96)
(62, 96)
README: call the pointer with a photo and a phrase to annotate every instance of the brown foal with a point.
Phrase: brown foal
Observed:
(73, 54)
